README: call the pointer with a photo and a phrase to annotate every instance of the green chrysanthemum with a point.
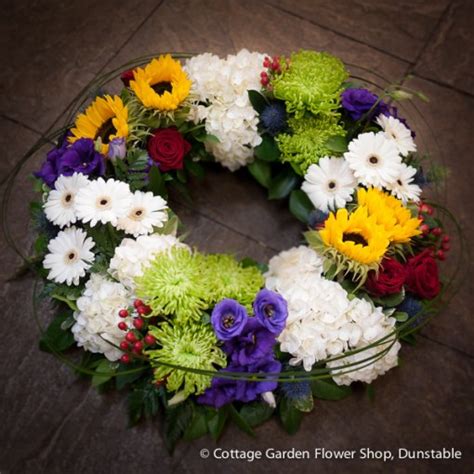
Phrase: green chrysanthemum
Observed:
(311, 82)
(175, 284)
(228, 279)
(307, 142)
(192, 345)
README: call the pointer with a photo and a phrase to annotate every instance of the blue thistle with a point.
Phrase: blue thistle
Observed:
(273, 118)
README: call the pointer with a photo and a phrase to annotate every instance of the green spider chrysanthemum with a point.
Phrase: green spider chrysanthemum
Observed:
(175, 284)
(311, 82)
(191, 345)
(228, 279)
(307, 142)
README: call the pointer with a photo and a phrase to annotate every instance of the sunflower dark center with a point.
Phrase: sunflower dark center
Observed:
(353, 237)
(269, 310)
(162, 87)
(228, 321)
(105, 130)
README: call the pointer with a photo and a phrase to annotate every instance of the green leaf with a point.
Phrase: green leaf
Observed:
(304, 404)
(56, 338)
(267, 150)
(103, 373)
(216, 420)
(400, 316)
(261, 171)
(370, 392)
(256, 413)
(250, 262)
(198, 425)
(157, 182)
(337, 144)
(194, 168)
(329, 390)
(177, 420)
(239, 420)
(290, 416)
(258, 101)
(390, 301)
(122, 380)
(300, 205)
(282, 185)
(72, 304)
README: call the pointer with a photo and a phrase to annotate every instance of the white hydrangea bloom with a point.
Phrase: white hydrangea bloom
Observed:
(322, 320)
(229, 115)
(132, 255)
(97, 316)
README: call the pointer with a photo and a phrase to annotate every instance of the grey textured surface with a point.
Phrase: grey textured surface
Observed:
(54, 423)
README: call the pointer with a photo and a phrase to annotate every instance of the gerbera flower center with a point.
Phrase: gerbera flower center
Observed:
(354, 237)
(228, 321)
(137, 214)
(105, 130)
(67, 199)
(104, 202)
(373, 160)
(161, 87)
(71, 256)
(331, 185)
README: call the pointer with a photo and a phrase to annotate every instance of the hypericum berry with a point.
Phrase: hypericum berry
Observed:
(149, 340)
(445, 246)
(138, 323)
(267, 62)
(426, 209)
(425, 228)
(125, 359)
(264, 81)
(263, 74)
(437, 231)
(123, 313)
(440, 254)
(446, 238)
(138, 346)
(122, 326)
(137, 303)
(124, 345)
(130, 337)
(144, 310)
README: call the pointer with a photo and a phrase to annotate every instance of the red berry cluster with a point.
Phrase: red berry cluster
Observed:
(273, 67)
(439, 241)
(135, 341)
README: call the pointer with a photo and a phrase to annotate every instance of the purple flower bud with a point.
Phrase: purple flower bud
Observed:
(271, 309)
(228, 319)
(117, 149)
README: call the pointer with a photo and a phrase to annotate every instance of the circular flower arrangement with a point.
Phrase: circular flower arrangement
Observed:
(205, 339)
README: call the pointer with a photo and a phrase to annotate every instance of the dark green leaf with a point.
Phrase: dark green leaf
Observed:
(122, 380)
(177, 419)
(370, 392)
(194, 168)
(337, 144)
(261, 171)
(304, 403)
(239, 420)
(328, 390)
(216, 420)
(103, 372)
(290, 417)
(258, 101)
(282, 185)
(55, 338)
(256, 413)
(157, 182)
(390, 301)
(267, 150)
(250, 262)
(198, 425)
(300, 205)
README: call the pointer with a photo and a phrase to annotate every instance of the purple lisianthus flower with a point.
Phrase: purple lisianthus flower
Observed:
(271, 309)
(253, 344)
(223, 391)
(228, 319)
(358, 102)
(117, 149)
(80, 157)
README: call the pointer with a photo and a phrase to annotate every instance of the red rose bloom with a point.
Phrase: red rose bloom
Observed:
(126, 77)
(388, 281)
(422, 275)
(167, 147)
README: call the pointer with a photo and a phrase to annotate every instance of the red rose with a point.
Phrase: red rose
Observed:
(422, 275)
(388, 281)
(127, 76)
(167, 147)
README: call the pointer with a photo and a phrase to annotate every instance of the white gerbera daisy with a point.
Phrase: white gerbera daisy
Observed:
(60, 206)
(147, 211)
(103, 201)
(374, 159)
(397, 132)
(329, 184)
(69, 256)
(403, 187)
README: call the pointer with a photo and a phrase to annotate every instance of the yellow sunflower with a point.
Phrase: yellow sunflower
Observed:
(162, 84)
(356, 235)
(390, 213)
(106, 118)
